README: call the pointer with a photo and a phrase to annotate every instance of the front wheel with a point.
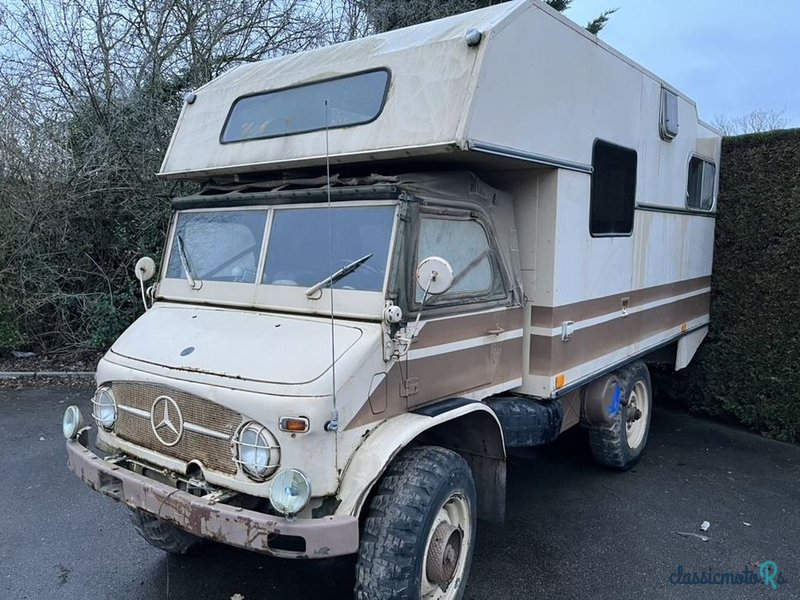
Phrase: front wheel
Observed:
(419, 533)
(163, 535)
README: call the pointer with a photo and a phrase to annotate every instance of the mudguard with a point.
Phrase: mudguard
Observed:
(484, 444)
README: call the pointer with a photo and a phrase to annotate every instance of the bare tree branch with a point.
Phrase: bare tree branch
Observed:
(755, 121)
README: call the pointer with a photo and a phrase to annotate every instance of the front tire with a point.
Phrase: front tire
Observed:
(163, 535)
(419, 533)
(620, 444)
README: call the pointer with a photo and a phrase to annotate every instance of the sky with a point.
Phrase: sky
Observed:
(731, 56)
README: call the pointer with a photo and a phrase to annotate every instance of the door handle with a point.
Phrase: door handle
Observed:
(496, 331)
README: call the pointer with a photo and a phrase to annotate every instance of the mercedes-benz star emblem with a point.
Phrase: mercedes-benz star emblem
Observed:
(166, 420)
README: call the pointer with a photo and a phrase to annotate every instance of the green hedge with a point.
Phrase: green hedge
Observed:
(749, 366)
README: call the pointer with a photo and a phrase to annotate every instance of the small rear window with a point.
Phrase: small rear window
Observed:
(700, 187)
(352, 100)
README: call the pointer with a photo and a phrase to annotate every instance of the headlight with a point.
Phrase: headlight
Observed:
(104, 408)
(72, 423)
(289, 492)
(258, 451)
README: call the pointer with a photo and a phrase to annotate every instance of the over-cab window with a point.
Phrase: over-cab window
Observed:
(341, 102)
(613, 190)
(464, 244)
(700, 187)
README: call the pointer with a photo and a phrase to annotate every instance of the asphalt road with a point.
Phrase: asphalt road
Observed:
(573, 530)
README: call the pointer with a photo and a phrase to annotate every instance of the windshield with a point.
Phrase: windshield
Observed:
(305, 246)
(218, 246)
(302, 252)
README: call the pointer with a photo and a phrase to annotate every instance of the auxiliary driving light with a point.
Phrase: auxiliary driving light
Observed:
(72, 423)
(104, 408)
(290, 492)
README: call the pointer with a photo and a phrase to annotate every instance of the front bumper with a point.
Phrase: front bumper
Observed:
(324, 537)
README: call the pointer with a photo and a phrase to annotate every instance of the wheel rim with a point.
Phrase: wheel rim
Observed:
(638, 414)
(447, 548)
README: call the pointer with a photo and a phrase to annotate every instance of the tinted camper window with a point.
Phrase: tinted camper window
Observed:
(700, 187)
(352, 100)
(613, 190)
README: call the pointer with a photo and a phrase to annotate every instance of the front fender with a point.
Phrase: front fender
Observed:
(435, 424)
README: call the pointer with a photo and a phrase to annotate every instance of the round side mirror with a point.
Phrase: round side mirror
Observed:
(145, 269)
(435, 275)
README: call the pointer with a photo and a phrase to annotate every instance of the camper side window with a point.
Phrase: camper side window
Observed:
(462, 243)
(613, 195)
(700, 187)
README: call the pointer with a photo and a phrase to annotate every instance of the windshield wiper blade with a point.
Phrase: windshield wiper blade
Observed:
(187, 270)
(341, 273)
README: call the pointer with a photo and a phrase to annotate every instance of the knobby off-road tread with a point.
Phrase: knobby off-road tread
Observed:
(162, 535)
(609, 443)
(395, 531)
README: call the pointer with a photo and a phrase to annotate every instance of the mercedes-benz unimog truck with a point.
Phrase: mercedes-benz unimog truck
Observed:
(408, 253)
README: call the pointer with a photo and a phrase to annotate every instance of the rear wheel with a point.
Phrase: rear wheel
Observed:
(620, 444)
(419, 533)
(163, 535)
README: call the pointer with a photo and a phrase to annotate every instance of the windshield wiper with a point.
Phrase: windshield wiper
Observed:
(341, 273)
(194, 283)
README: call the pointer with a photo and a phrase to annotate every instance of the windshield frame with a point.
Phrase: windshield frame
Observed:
(347, 302)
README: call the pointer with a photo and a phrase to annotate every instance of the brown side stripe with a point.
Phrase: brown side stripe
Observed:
(549, 317)
(457, 329)
(550, 355)
(442, 376)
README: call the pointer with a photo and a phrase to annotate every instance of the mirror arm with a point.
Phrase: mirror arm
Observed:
(410, 339)
(144, 295)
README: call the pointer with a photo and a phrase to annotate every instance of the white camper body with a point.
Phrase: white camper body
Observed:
(522, 110)
(531, 222)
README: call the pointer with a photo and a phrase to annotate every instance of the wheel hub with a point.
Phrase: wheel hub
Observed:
(634, 415)
(443, 554)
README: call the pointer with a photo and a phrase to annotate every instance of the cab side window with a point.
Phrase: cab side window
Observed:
(464, 244)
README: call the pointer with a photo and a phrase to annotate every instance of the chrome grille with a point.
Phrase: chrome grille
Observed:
(208, 427)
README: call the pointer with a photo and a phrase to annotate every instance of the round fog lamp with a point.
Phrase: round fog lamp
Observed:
(290, 492)
(72, 423)
(105, 408)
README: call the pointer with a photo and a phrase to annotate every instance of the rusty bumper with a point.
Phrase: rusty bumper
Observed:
(323, 537)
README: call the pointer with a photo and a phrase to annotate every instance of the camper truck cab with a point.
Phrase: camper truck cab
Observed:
(406, 254)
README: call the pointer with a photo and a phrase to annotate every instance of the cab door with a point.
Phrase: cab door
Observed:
(458, 347)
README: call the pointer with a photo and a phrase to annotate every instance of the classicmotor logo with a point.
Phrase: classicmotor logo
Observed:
(767, 574)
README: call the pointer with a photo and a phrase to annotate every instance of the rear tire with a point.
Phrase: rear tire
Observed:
(163, 535)
(419, 533)
(620, 444)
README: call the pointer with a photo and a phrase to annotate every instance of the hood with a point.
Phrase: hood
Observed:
(233, 343)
